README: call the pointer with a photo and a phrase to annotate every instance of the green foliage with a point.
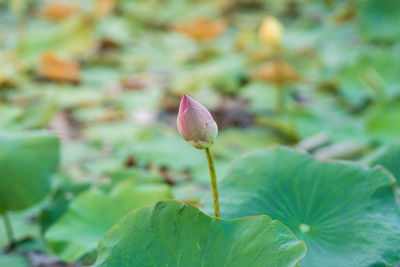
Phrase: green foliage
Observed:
(382, 121)
(23, 226)
(27, 161)
(176, 234)
(13, 260)
(119, 69)
(73, 37)
(94, 212)
(387, 156)
(346, 213)
(372, 75)
(379, 20)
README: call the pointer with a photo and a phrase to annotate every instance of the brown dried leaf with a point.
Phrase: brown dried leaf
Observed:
(52, 67)
(201, 29)
(133, 83)
(346, 14)
(57, 11)
(111, 115)
(277, 72)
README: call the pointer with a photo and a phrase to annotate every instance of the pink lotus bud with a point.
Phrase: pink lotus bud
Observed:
(195, 123)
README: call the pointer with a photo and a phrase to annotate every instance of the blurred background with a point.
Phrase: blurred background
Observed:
(107, 76)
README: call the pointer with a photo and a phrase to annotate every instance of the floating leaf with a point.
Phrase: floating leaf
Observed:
(10, 70)
(175, 234)
(389, 157)
(378, 20)
(382, 121)
(346, 213)
(74, 36)
(26, 162)
(94, 212)
(137, 174)
(374, 73)
(13, 260)
(157, 151)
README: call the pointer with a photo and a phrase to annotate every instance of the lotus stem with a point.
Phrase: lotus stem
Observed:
(7, 224)
(213, 177)
(280, 99)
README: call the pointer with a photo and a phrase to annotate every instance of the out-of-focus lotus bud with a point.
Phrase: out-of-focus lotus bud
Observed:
(195, 123)
(271, 31)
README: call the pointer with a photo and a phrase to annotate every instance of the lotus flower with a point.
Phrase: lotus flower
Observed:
(195, 123)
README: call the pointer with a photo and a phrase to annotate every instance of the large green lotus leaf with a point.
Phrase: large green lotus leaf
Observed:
(94, 212)
(176, 234)
(389, 157)
(345, 212)
(26, 162)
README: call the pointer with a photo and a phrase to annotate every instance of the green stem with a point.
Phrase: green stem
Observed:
(280, 99)
(213, 181)
(7, 224)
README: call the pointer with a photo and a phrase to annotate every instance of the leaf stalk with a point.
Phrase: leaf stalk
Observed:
(10, 235)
